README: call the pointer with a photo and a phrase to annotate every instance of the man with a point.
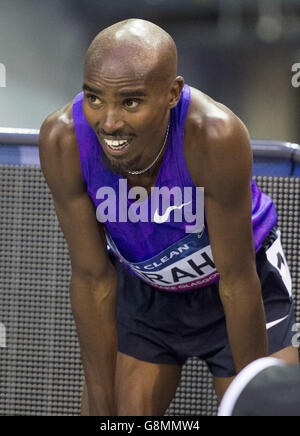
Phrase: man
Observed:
(167, 293)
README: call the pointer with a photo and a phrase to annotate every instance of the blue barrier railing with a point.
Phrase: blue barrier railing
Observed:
(271, 158)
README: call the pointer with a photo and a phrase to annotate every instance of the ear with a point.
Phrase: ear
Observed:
(175, 91)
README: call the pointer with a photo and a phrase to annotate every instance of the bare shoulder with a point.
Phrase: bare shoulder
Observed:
(58, 128)
(212, 119)
(214, 137)
(58, 149)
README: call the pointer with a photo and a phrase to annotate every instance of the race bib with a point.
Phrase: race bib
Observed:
(277, 258)
(186, 264)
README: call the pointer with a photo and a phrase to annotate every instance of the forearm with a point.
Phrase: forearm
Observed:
(245, 321)
(94, 310)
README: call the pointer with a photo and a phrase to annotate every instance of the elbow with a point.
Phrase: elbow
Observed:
(93, 291)
(233, 287)
(104, 278)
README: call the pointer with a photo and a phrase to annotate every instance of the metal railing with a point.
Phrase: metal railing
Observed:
(261, 147)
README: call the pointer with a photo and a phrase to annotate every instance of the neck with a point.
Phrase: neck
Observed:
(148, 179)
(154, 162)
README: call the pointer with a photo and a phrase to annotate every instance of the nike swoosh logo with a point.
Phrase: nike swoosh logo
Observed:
(159, 219)
(277, 321)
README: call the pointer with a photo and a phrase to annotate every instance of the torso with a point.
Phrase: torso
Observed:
(204, 113)
(204, 153)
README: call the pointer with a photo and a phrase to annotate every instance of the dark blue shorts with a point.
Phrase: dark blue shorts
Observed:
(164, 327)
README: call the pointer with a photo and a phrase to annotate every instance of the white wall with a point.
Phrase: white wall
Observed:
(43, 43)
(42, 47)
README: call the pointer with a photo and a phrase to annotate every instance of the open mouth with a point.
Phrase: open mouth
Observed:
(116, 147)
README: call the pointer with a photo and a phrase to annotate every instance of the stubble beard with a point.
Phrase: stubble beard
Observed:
(117, 167)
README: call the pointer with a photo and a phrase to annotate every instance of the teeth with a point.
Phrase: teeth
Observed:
(115, 144)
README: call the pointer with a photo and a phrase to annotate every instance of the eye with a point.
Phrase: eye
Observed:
(93, 99)
(131, 103)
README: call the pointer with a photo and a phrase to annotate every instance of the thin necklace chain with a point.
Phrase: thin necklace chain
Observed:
(155, 160)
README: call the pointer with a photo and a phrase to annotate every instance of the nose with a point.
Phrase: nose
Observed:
(112, 121)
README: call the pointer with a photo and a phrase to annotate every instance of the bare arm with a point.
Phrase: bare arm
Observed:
(228, 206)
(93, 282)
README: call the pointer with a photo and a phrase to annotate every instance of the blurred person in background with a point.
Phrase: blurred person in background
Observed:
(265, 387)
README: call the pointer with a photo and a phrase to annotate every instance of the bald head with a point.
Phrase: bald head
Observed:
(137, 44)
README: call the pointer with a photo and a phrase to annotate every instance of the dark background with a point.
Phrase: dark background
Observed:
(240, 52)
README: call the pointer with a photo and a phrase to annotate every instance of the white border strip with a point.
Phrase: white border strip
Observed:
(15, 131)
(241, 381)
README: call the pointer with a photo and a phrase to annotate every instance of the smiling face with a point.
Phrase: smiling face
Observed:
(129, 89)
